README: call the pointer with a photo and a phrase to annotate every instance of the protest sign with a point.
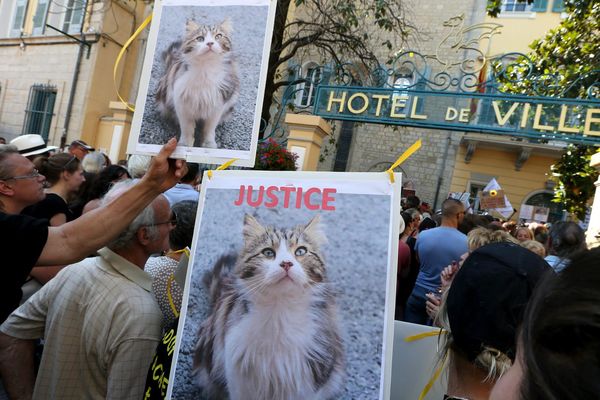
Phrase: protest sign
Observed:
(290, 289)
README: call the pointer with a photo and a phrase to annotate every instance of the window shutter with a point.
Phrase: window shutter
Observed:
(558, 6)
(18, 18)
(540, 5)
(74, 17)
(39, 18)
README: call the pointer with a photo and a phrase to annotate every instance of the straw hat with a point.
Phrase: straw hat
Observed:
(29, 145)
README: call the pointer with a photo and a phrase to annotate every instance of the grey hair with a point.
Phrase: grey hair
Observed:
(145, 218)
(93, 162)
(6, 169)
(138, 165)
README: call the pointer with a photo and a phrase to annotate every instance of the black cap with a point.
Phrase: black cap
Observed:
(487, 299)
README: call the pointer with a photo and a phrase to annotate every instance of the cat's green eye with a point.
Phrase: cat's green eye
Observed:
(218, 36)
(269, 253)
(200, 38)
(300, 251)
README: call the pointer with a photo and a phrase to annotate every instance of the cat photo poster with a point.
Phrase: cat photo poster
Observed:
(203, 79)
(290, 289)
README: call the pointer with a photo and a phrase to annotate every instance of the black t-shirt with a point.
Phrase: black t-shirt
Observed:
(22, 239)
(51, 205)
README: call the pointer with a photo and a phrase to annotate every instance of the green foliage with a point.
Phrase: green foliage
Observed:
(271, 156)
(571, 52)
(574, 179)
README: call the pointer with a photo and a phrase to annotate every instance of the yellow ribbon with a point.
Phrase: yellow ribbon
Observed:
(221, 167)
(415, 146)
(123, 50)
(172, 278)
(170, 296)
(441, 366)
(423, 335)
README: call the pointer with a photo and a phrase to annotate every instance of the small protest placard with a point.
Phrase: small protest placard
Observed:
(491, 199)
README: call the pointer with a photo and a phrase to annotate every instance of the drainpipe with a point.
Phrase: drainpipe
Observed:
(441, 175)
(82, 45)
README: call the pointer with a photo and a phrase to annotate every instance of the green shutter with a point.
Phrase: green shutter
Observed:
(540, 5)
(558, 6)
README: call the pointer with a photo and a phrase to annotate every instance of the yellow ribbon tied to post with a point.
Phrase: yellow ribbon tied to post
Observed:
(121, 53)
(409, 152)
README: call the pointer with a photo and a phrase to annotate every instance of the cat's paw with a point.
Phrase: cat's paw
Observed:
(211, 144)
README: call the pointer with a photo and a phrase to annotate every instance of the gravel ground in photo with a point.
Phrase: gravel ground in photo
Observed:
(356, 259)
(249, 25)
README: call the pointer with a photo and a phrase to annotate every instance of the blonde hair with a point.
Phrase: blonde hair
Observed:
(481, 236)
(491, 361)
(535, 246)
(524, 228)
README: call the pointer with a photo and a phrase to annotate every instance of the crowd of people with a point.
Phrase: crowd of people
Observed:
(78, 227)
(513, 303)
(94, 251)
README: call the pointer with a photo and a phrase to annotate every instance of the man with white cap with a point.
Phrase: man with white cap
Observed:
(27, 241)
(31, 145)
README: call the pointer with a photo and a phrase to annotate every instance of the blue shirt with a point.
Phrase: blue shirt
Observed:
(436, 249)
(181, 192)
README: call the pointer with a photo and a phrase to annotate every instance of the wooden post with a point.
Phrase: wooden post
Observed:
(593, 232)
(306, 138)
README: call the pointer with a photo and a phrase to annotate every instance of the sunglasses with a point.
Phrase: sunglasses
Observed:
(33, 175)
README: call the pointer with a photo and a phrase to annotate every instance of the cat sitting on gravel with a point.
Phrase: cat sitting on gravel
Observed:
(201, 84)
(273, 331)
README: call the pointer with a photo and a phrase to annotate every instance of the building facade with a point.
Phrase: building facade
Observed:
(56, 67)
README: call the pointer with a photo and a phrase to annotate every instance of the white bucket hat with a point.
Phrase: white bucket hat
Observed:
(29, 145)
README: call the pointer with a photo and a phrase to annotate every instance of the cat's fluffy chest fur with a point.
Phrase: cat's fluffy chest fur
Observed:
(200, 85)
(273, 333)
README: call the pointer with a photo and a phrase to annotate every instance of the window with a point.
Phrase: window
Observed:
(402, 82)
(18, 18)
(516, 6)
(474, 189)
(308, 90)
(39, 17)
(544, 199)
(558, 6)
(39, 111)
(74, 16)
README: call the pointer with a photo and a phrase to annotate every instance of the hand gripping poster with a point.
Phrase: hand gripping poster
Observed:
(203, 79)
(290, 288)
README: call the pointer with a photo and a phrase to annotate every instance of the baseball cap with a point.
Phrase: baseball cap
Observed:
(29, 145)
(487, 299)
(82, 144)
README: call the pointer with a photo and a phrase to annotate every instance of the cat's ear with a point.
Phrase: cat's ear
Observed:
(226, 26)
(252, 228)
(191, 26)
(314, 231)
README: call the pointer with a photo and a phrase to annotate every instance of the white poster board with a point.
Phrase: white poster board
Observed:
(330, 293)
(203, 79)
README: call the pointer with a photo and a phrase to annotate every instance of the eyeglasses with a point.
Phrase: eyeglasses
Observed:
(33, 175)
(172, 220)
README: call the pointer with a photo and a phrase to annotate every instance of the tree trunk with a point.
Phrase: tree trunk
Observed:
(274, 56)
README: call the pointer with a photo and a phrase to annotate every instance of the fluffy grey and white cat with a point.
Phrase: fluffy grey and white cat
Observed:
(273, 332)
(201, 83)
